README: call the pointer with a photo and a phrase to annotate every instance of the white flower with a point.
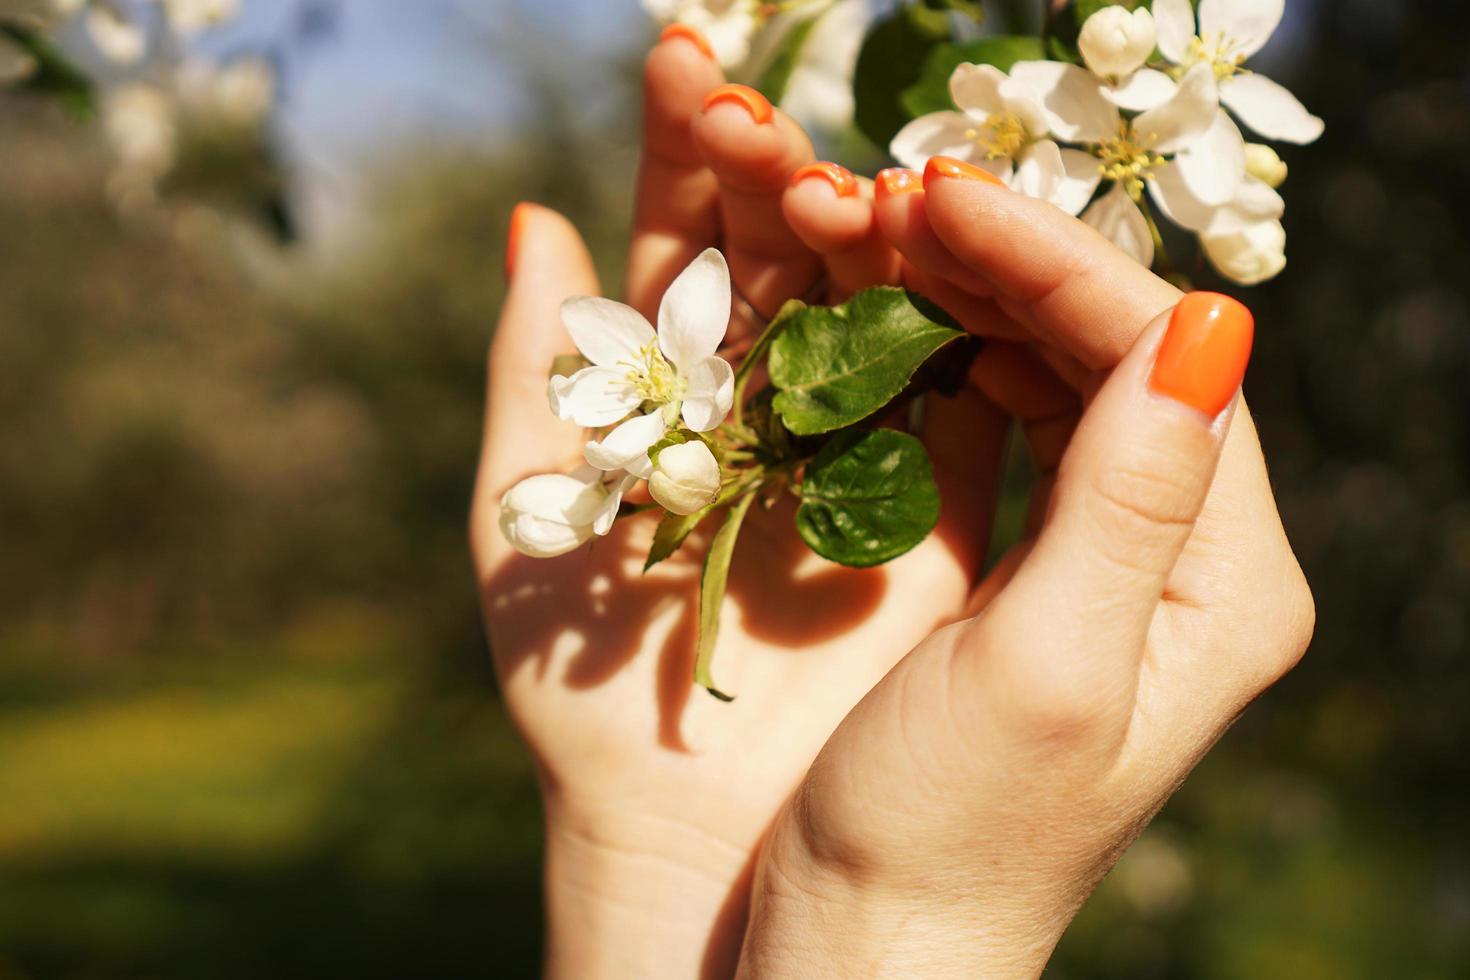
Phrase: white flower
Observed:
(550, 514)
(728, 25)
(189, 17)
(686, 479)
(1003, 127)
(1262, 163)
(672, 374)
(1249, 255)
(1230, 31)
(116, 38)
(1115, 45)
(1116, 42)
(1186, 153)
(819, 89)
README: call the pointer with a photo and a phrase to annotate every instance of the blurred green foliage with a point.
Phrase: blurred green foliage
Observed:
(247, 723)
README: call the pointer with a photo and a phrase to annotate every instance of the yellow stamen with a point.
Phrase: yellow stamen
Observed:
(1001, 136)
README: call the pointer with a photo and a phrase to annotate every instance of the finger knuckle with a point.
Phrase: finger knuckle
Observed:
(1141, 497)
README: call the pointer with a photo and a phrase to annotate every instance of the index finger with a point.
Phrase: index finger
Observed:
(1051, 271)
(676, 215)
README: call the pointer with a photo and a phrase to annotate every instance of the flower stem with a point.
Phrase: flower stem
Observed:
(1163, 265)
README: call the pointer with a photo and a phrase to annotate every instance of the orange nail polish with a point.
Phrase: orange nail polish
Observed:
(841, 179)
(950, 167)
(689, 34)
(756, 104)
(1203, 357)
(518, 219)
(897, 180)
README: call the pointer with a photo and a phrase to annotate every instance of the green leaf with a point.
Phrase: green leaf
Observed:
(887, 64)
(930, 93)
(712, 594)
(672, 530)
(836, 365)
(868, 497)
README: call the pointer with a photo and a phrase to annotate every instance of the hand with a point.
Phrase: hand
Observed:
(962, 813)
(656, 795)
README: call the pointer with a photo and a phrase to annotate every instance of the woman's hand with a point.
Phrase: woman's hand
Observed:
(656, 795)
(962, 813)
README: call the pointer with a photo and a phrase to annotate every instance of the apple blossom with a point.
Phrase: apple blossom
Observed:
(1249, 255)
(552, 513)
(1002, 126)
(1262, 163)
(1185, 152)
(728, 25)
(657, 377)
(686, 477)
(1229, 32)
(819, 89)
(1116, 42)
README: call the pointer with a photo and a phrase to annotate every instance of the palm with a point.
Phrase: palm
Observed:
(596, 659)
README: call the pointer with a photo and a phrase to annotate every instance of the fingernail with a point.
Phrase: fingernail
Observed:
(1203, 356)
(689, 34)
(897, 180)
(754, 103)
(841, 179)
(518, 218)
(950, 167)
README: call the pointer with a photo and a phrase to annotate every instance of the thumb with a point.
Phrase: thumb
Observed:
(546, 262)
(1134, 480)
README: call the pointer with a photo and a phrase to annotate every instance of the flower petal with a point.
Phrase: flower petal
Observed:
(1178, 203)
(1214, 165)
(540, 538)
(605, 331)
(976, 89)
(1174, 20)
(1076, 109)
(1040, 172)
(1244, 25)
(1249, 256)
(1269, 109)
(593, 397)
(695, 311)
(626, 443)
(555, 497)
(1083, 172)
(1120, 222)
(1144, 89)
(1186, 117)
(710, 392)
(933, 135)
(608, 511)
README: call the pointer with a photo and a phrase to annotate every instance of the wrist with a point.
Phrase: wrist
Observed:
(632, 896)
(814, 918)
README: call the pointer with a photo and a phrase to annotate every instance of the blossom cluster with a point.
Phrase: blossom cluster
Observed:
(1146, 122)
(1146, 118)
(652, 396)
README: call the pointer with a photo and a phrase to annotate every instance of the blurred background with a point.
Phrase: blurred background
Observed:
(248, 724)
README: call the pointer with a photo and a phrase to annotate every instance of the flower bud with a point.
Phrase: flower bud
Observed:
(1252, 255)
(1115, 42)
(549, 515)
(686, 478)
(1262, 163)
